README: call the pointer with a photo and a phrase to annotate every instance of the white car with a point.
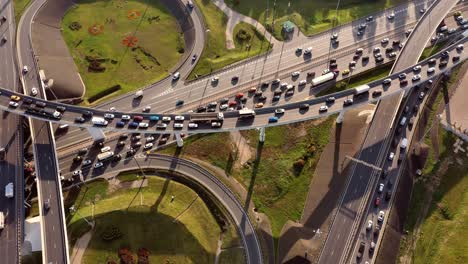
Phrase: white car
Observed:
(149, 139)
(223, 107)
(283, 85)
(381, 216)
(308, 51)
(98, 165)
(387, 81)
(323, 108)
(295, 74)
(166, 118)
(86, 162)
(109, 116)
(391, 16)
(77, 172)
(391, 156)
(105, 149)
(385, 41)
(57, 114)
(148, 146)
(178, 125)
(143, 125)
(112, 109)
(381, 188)
(215, 80)
(176, 76)
(279, 111)
(369, 225)
(417, 68)
(25, 69)
(13, 104)
(460, 47)
(34, 91)
(376, 49)
(126, 117)
(216, 124)
(147, 108)
(421, 95)
(416, 78)
(179, 118)
(289, 87)
(192, 125)
(302, 82)
(360, 50)
(430, 70)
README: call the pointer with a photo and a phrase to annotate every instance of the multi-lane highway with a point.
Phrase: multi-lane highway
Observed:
(278, 64)
(362, 178)
(53, 228)
(11, 138)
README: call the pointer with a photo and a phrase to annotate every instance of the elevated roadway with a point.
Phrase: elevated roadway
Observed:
(53, 228)
(362, 179)
(11, 138)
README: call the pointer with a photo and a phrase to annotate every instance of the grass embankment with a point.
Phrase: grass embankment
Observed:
(279, 187)
(310, 16)
(97, 43)
(216, 55)
(182, 230)
(438, 239)
(359, 79)
(429, 51)
(20, 7)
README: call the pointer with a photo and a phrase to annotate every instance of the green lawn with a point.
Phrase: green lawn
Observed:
(20, 7)
(146, 219)
(429, 51)
(215, 55)
(158, 48)
(310, 16)
(359, 79)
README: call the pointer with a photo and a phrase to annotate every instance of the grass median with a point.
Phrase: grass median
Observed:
(162, 217)
(127, 44)
(310, 16)
(20, 6)
(247, 40)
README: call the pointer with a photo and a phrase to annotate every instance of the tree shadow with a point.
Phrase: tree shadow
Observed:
(253, 175)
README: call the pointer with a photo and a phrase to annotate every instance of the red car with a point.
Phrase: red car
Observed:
(232, 103)
(138, 118)
(377, 201)
(239, 95)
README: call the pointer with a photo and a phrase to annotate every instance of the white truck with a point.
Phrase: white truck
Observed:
(324, 78)
(361, 89)
(2, 220)
(9, 193)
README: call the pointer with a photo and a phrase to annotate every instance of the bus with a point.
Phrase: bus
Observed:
(322, 79)
(246, 113)
(104, 156)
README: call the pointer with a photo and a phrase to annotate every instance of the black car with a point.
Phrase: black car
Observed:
(262, 98)
(455, 58)
(396, 42)
(211, 110)
(330, 100)
(47, 205)
(389, 49)
(27, 101)
(223, 101)
(445, 54)
(442, 64)
(304, 106)
(79, 119)
(131, 152)
(87, 114)
(201, 109)
(403, 82)
(333, 65)
(332, 60)
(388, 195)
(365, 58)
(379, 59)
(432, 61)
(123, 136)
(384, 174)
(235, 79)
(61, 108)
(41, 104)
(77, 158)
(415, 108)
(82, 151)
(117, 157)
(390, 183)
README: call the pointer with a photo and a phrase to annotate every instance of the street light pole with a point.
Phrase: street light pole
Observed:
(73, 210)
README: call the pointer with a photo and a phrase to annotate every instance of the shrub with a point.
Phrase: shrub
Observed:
(125, 256)
(243, 35)
(111, 233)
(75, 25)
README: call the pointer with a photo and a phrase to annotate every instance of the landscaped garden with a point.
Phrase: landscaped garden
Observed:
(247, 40)
(121, 45)
(152, 221)
(310, 16)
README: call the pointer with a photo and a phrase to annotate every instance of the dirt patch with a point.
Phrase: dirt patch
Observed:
(243, 148)
(115, 184)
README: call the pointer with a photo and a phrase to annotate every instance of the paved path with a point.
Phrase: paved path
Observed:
(80, 247)
(235, 18)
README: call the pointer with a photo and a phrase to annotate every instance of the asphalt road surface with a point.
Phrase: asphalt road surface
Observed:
(11, 169)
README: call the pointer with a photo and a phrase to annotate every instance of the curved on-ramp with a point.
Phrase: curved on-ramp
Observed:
(211, 183)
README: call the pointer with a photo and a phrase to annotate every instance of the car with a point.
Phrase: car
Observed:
(235, 78)
(377, 50)
(176, 76)
(239, 95)
(359, 51)
(192, 125)
(133, 124)
(421, 95)
(371, 247)
(147, 108)
(149, 139)
(143, 125)
(120, 124)
(369, 225)
(388, 195)
(272, 119)
(430, 70)
(86, 114)
(408, 32)
(117, 157)
(179, 102)
(323, 108)
(25, 69)
(109, 116)
(451, 31)
(27, 101)
(369, 18)
(377, 93)
(379, 60)
(13, 104)
(455, 58)
(79, 119)
(345, 72)
(417, 68)
(445, 54)
(334, 36)
(223, 107)
(166, 118)
(431, 61)
(161, 126)
(387, 81)
(377, 201)
(422, 10)
(380, 188)
(131, 151)
(121, 143)
(76, 173)
(403, 82)
(308, 51)
(304, 106)
(215, 80)
(216, 124)
(402, 76)
(47, 204)
(258, 93)
(77, 158)
(416, 108)
(279, 111)
(276, 97)
(34, 91)
(86, 162)
(460, 47)
(362, 246)
(57, 115)
(258, 105)
(377, 55)
(41, 104)
(15, 98)
(136, 138)
(105, 149)
(416, 78)
(112, 109)
(352, 63)
(98, 165)
(391, 16)
(295, 74)
(384, 174)
(391, 156)
(381, 216)
(194, 57)
(442, 64)
(384, 41)
(179, 118)
(348, 102)
(148, 146)
(135, 145)
(178, 125)
(302, 82)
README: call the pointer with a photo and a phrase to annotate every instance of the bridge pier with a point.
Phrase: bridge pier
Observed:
(261, 136)
(179, 140)
(96, 133)
(340, 117)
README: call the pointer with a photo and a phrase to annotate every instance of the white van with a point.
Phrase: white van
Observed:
(403, 121)
(99, 121)
(404, 143)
